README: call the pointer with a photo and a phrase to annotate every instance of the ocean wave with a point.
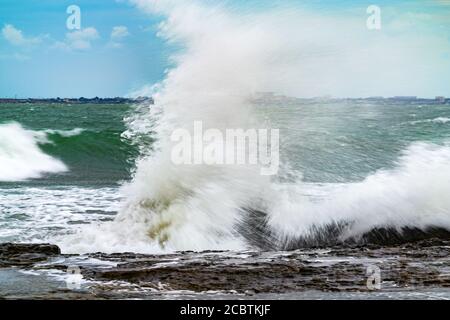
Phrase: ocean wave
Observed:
(411, 196)
(50, 211)
(438, 120)
(20, 155)
(65, 133)
(169, 207)
(407, 203)
(44, 136)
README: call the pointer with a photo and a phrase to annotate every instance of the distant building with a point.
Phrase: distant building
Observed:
(440, 99)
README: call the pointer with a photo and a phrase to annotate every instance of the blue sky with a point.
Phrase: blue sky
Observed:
(117, 51)
(42, 66)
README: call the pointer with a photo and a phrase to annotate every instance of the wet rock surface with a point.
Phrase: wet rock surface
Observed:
(406, 268)
(16, 254)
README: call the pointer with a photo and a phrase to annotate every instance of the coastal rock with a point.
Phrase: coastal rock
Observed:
(338, 268)
(341, 269)
(16, 254)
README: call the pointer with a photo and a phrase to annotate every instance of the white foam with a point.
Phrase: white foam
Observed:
(439, 120)
(413, 194)
(20, 156)
(32, 214)
(65, 133)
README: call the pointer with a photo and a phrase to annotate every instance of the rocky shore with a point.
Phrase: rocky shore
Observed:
(336, 272)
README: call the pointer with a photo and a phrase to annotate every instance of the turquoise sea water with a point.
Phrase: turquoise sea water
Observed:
(96, 156)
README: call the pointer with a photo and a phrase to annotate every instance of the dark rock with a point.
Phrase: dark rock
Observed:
(342, 268)
(17, 254)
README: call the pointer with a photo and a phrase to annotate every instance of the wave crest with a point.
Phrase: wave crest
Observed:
(20, 155)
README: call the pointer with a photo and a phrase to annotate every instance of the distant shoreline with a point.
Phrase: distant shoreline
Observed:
(82, 100)
(395, 100)
(263, 96)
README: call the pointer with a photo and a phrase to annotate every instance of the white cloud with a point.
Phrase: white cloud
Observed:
(119, 32)
(79, 39)
(16, 36)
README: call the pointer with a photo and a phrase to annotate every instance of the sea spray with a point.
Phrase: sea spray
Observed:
(411, 195)
(225, 60)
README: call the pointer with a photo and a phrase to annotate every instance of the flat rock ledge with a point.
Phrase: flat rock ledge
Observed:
(18, 254)
(412, 266)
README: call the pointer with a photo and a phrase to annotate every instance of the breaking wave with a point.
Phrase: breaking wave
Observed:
(20, 155)
(225, 61)
(438, 120)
